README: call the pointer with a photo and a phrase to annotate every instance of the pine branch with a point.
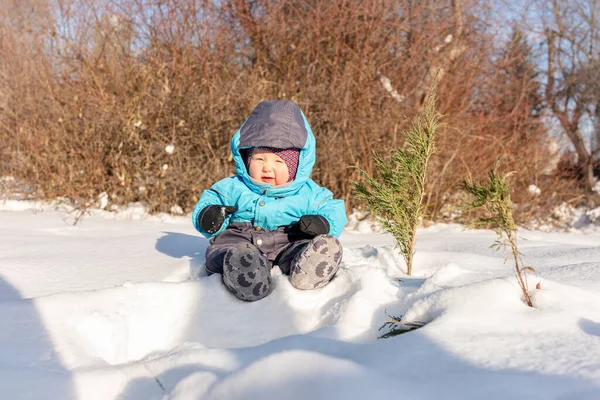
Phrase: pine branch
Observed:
(396, 195)
(397, 326)
(494, 199)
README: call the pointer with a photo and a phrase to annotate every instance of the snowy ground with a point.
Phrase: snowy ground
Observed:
(121, 309)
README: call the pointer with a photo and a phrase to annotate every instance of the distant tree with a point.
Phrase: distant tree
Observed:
(572, 35)
(112, 41)
(518, 87)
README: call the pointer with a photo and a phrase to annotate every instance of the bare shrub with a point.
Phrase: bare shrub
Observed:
(93, 93)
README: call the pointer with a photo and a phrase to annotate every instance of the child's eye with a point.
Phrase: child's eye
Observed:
(280, 161)
(259, 159)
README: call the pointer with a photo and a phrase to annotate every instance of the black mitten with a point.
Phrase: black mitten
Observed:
(311, 226)
(212, 217)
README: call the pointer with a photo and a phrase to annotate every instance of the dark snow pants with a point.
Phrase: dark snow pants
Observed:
(278, 247)
(244, 255)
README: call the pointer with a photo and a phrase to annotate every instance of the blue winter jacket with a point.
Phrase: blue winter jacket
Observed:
(279, 124)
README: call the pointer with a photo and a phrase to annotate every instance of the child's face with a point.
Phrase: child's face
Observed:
(268, 167)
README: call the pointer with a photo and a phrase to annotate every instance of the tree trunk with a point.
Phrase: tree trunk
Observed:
(584, 158)
(568, 120)
(589, 174)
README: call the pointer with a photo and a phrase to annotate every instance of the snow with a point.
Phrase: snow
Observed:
(596, 187)
(119, 307)
(534, 190)
(576, 219)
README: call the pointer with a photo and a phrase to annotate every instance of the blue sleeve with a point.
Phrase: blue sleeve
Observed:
(219, 194)
(333, 210)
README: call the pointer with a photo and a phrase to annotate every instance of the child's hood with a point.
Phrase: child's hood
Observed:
(280, 124)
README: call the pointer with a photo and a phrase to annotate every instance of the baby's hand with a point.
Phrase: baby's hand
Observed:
(311, 225)
(212, 217)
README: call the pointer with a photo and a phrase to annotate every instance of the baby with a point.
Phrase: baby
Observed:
(271, 213)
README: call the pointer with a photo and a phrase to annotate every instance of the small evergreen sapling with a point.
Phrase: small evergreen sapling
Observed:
(494, 199)
(396, 195)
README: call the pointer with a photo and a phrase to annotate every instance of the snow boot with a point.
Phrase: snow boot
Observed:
(246, 272)
(316, 264)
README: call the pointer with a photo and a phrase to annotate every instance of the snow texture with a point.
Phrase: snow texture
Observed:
(121, 308)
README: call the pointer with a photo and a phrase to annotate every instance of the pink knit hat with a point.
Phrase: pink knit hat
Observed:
(289, 156)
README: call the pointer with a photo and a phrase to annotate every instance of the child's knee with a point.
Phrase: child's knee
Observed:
(317, 263)
(247, 272)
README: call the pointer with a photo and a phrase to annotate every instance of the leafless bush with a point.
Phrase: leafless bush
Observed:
(92, 93)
